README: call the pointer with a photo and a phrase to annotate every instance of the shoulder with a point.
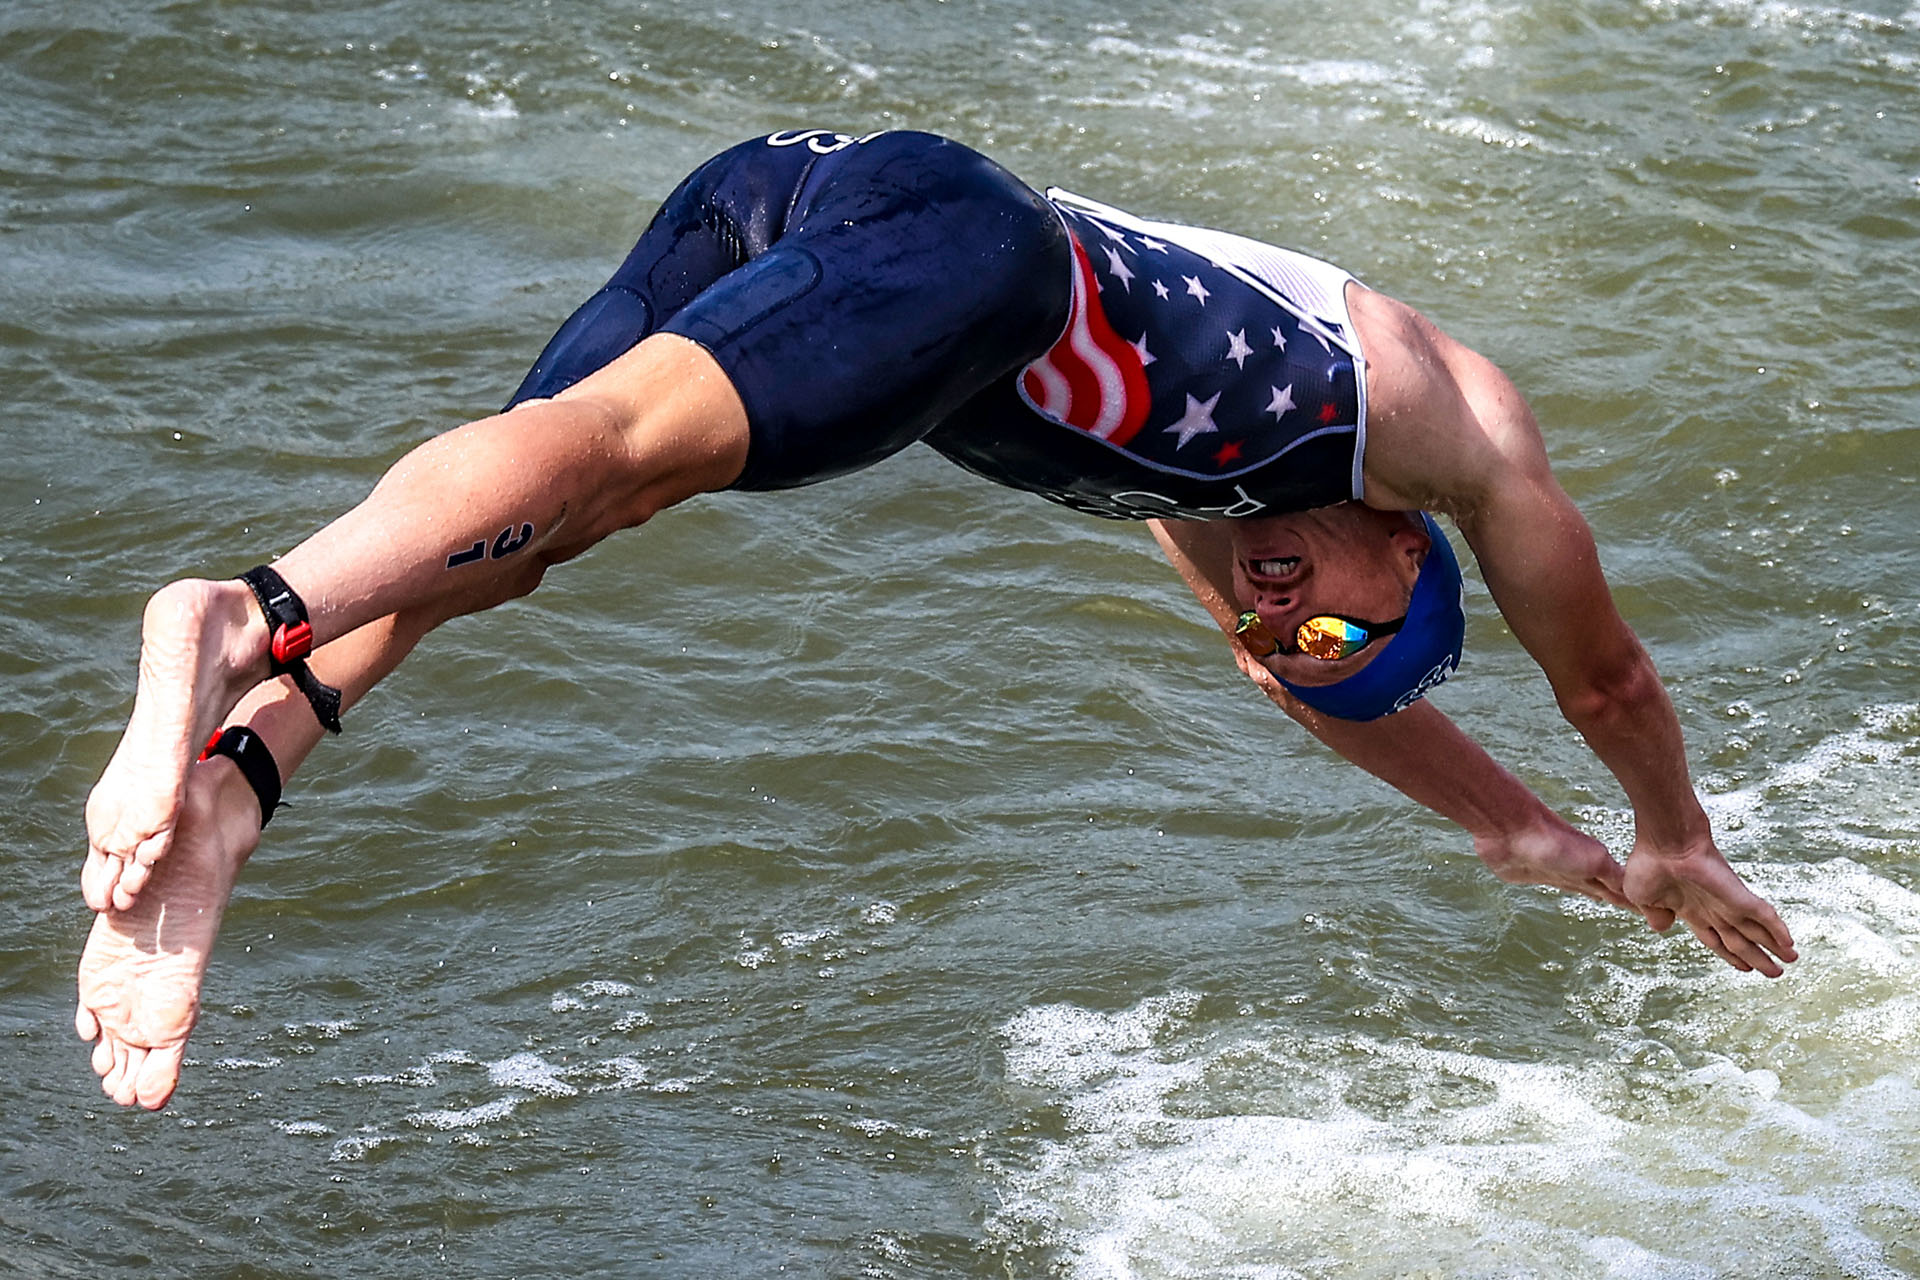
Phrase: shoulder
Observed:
(1444, 424)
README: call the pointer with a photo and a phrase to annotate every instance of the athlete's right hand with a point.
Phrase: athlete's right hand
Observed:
(1698, 886)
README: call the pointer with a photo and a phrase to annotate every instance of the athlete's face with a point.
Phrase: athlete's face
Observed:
(1348, 560)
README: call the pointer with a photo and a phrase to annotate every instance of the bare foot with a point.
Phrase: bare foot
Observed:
(141, 970)
(202, 645)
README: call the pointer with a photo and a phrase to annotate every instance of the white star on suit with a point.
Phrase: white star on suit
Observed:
(1119, 269)
(1237, 348)
(1279, 339)
(1196, 289)
(1282, 401)
(1160, 290)
(1140, 344)
(1197, 421)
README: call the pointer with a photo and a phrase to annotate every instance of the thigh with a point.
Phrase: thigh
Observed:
(910, 272)
(854, 292)
(721, 216)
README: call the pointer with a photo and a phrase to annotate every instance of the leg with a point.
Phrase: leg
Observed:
(529, 488)
(847, 317)
(140, 975)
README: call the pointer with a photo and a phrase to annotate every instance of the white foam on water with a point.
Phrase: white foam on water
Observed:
(873, 1127)
(1776, 15)
(358, 1146)
(416, 1077)
(485, 1113)
(1852, 792)
(1487, 131)
(302, 1128)
(1195, 53)
(531, 1072)
(1288, 1155)
(681, 1084)
(1718, 1124)
(576, 997)
(327, 1029)
(752, 954)
(622, 1072)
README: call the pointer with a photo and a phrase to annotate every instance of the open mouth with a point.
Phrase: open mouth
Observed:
(1276, 567)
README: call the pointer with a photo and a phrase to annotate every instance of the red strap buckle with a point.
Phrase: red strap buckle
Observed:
(212, 742)
(291, 643)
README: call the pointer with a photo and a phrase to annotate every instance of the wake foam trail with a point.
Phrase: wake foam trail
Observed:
(1719, 1125)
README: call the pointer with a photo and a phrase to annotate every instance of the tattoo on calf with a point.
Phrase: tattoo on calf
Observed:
(504, 544)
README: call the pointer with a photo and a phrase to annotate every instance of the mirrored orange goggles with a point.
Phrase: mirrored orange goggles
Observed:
(1326, 636)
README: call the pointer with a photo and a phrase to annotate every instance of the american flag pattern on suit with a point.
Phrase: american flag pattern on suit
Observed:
(1198, 353)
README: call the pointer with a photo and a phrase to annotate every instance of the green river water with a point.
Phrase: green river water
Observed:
(966, 915)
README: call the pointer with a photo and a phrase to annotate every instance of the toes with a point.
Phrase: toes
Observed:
(122, 1090)
(150, 849)
(125, 889)
(102, 1060)
(85, 1025)
(158, 1075)
(97, 876)
(116, 1056)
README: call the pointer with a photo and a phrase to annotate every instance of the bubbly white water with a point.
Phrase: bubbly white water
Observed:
(1709, 1124)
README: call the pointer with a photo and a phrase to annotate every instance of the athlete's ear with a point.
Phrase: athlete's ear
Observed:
(1410, 545)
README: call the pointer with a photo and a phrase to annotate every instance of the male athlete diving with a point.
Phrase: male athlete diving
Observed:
(808, 303)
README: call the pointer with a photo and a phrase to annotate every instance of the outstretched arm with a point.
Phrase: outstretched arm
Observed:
(1418, 751)
(1448, 431)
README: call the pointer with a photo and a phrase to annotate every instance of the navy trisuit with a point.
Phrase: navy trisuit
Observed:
(865, 293)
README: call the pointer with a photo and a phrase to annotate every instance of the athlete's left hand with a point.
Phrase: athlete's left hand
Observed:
(1548, 851)
(1696, 885)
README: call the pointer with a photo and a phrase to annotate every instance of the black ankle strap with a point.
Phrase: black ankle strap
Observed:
(247, 749)
(292, 641)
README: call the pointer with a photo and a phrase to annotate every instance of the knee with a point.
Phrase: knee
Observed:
(676, 425)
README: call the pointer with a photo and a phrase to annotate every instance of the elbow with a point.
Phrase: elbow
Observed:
(1612, 694)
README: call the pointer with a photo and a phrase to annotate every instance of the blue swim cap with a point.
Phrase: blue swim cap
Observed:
(1418, 657)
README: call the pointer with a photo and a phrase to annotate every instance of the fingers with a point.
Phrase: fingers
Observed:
(112, 883)
(1776, 939)
(1601, 891)
(1710, 939)
(1754, 937)
(114, 1053)
(121, 1082)
(1742, 945)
